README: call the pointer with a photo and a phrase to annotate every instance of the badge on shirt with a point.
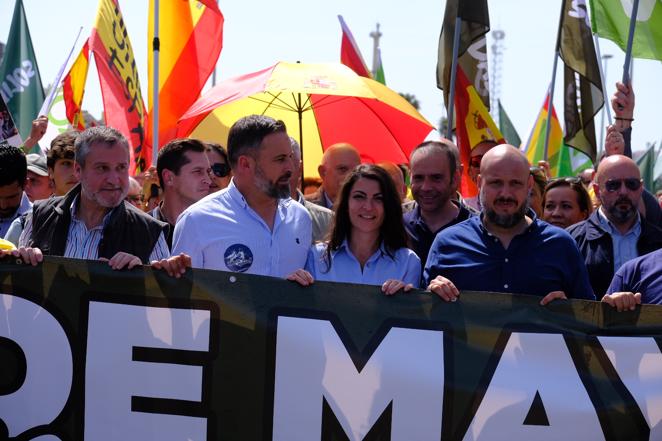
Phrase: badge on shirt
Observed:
(238, 258)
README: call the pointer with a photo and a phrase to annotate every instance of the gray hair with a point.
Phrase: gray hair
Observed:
(98, 135)
(296, 150)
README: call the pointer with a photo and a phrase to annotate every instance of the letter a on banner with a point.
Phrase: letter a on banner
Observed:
(122, 100)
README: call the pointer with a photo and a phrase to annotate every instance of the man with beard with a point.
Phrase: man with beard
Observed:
(506, 248)
(252, 225)
(615, 233)
(434, 178)
(93, 221)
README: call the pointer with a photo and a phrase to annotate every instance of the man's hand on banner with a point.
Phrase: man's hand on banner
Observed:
(302, 277)
(444, 288)
(623, 301)
(122, 260)
(553, 296)
(37, 132)
(391, 286)
(175, 266)
(26, 255)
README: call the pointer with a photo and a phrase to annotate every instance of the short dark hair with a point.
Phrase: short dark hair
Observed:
(98, 135)
(212, 146)
(62, 147)
(246, 135)
(392, 231)
(173, 155)
(445, 147)
(583, 198)
(13, 166)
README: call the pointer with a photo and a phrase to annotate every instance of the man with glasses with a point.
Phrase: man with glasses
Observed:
(183, 170)
(615, 233)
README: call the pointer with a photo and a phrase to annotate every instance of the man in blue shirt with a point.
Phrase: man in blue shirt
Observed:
(434, 180)
(252, 225)
(506, 249)
(615, 233)
(637, 281)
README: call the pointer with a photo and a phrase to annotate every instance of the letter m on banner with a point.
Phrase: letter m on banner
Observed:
(122, 101)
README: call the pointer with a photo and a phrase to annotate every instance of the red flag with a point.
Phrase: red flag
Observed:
(473, 126)
(186, 58)
(350, 55)
(73, 87)
(122, 100)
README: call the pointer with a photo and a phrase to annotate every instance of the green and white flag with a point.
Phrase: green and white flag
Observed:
(19, 75)
(646, 164)
(611, 19)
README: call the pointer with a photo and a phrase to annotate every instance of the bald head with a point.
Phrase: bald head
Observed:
(615, 167)
(398, 178)
(337, 161)
(504, 155)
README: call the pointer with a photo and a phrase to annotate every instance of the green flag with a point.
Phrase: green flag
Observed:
(507, 128)
(472, 52)
(378, 74)
(646, 164)
(583, 95)
(21, 84)
(611, 19)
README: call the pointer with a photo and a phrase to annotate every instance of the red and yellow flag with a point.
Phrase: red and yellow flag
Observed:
(473, 126)
(191, 38)
(350, 55)
(122, 100)
(73, 87)
(535, 146)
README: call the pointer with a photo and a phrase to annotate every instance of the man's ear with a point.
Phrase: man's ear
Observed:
(167, 176)
(596, 189)
(321, 169)
(244, 163)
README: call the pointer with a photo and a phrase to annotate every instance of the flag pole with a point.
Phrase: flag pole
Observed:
(451, 93)
(603, 75)
(550, 97)
(628, 52)
(155, 86)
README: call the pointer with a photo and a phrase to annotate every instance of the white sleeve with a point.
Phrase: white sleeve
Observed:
(185, 240)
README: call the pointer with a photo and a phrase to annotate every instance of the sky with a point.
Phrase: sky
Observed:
(259, 33)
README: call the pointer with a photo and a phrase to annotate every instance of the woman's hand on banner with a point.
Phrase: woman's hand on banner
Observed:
(302, 277)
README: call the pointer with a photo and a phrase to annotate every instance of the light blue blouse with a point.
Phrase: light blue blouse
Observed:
(404, 265)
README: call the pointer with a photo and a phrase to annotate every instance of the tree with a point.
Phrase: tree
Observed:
(412, 100)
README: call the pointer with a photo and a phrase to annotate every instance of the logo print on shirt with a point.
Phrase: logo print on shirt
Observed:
(238, 258)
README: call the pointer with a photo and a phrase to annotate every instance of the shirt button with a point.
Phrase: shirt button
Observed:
(505, 286)
(506, 260)
(496, 240)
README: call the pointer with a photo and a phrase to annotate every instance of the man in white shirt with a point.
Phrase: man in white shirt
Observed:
(252, 225)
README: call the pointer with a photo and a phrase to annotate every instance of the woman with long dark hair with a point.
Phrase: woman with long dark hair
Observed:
(367, 243)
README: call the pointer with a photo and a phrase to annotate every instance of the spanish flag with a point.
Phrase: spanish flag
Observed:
(73, 87)
(473, 126)
(191, 38)
(535, 146)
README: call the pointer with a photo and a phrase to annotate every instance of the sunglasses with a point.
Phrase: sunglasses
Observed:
(220, 169)
(475, 161)
(632, 184)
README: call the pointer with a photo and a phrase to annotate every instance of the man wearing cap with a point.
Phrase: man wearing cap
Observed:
(37, 184)
(13, 200)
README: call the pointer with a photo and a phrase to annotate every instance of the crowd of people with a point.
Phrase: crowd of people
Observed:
(597, 236)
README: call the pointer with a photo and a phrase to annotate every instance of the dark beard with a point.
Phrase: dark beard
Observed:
(619, 216)
(506, 220)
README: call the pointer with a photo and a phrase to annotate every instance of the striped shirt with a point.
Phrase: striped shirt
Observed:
(84, 244)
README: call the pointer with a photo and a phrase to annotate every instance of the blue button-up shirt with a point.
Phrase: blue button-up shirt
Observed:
(624, 245)
(403, 265)
(24, 207)
(223, 232)
(542, 259)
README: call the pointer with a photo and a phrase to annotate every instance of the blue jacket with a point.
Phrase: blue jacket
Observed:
(596, 246)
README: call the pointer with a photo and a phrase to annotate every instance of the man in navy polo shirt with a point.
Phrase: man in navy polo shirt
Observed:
(637, 281)
(506, 248)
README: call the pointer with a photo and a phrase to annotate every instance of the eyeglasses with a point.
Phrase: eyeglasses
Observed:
(220, 169)
(632, 184)
(475, 161)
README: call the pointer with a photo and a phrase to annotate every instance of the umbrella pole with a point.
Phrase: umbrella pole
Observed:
(300, 114)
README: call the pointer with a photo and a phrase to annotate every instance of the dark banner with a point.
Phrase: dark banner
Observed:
(88, 353)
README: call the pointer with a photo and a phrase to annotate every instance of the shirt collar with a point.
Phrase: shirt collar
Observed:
(329, 202)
